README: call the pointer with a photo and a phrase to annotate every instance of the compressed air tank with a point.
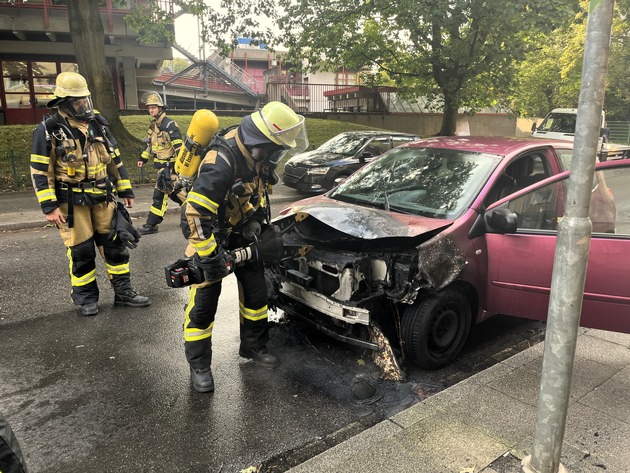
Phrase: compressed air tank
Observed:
(202, 128)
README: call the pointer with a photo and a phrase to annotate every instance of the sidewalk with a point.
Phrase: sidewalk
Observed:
(483, 424)
(487, 422)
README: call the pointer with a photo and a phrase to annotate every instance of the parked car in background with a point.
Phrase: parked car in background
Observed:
(316, 171)
(442, 233)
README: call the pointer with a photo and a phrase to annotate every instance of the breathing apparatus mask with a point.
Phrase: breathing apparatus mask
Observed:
(80, 108)
(268, 157)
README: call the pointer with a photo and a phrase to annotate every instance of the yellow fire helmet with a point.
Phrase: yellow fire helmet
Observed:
(278, 122)
(152, 98)
(71, 84)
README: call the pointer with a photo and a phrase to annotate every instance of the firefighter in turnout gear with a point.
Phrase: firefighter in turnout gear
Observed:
(77, 173)
(163, 142)
(226, 209)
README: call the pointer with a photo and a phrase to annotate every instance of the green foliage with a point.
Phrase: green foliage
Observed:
(458, 53)
(222, 22)
(15, 145)
(550, 76)
(177, 65)
(151, 23)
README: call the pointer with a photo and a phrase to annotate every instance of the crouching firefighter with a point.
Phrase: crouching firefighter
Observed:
(226, 209)
(77, 173)
(163, 142)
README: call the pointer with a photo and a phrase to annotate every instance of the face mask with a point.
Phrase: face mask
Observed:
(269, 160)
(80, 108)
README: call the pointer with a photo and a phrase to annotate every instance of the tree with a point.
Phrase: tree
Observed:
(178, 64)
(456, 53)
(222, 22)
(87, 32)
(550, 77)
(153, 24)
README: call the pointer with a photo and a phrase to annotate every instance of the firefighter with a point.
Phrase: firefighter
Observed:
(226, 209)
(163, 142)
(11, 458)
(77, 173)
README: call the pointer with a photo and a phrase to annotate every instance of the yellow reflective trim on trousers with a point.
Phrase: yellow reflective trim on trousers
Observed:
(206, 247)
(253, 314)
(161, 211)
(83, 280)
(176, 142)
(193, 334)
(203, 201)
(118, 269)
(38, 158)
(46, 195)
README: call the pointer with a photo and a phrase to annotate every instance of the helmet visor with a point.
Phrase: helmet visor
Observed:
(81, 108)
(294, 139)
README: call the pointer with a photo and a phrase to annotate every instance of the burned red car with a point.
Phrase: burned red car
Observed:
(442, 233)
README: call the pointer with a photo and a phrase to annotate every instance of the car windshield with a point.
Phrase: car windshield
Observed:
(432, 182)
(559, 122)
(346, 144)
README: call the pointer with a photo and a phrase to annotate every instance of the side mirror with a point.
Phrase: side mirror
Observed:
(503, 220)
(366, 155)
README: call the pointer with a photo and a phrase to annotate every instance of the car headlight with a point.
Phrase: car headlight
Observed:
(317, 171)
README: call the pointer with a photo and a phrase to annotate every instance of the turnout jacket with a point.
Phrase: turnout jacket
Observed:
(86, 165)
(164, 140)
(213, 207)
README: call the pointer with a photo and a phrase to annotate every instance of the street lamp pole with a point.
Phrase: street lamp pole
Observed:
(572, 249)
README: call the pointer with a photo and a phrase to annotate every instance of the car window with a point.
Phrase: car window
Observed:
(432, 182)
(346, 144)
(542, 208)
(399, 140)
(559, 122)
(522, 172)
(565, 155)
(378, 146)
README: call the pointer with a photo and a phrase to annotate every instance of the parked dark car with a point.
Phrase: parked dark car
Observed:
(442, 233)
(316, 171)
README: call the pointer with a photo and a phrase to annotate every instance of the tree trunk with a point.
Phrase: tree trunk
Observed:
(87, 32)
(449, 119)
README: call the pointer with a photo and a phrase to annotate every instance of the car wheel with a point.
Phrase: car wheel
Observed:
(435, 328)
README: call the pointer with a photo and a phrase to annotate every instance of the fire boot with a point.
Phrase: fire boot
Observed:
(260, 355)
(202, 380)
(147, 229)
(89, 309)
(125, 295)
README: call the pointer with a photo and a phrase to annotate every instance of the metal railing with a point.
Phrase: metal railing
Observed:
(304, 97)
(619, 132)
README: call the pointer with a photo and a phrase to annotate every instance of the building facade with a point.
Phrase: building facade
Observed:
(35, 46)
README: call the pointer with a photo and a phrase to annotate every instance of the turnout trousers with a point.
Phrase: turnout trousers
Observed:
(92, 224)
(202, 307)
(160, 201)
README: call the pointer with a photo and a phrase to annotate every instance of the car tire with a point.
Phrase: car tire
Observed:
(435, 328)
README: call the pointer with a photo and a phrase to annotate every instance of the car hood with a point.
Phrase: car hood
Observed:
(316, 158)
(365, 223)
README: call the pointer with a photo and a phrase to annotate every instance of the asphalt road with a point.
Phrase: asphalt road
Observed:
(112, 392)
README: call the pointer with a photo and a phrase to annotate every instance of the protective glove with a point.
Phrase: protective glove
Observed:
(122, 227)
(251, 230)
(214, 267)
(164, 182)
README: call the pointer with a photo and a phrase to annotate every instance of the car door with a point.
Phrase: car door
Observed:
(520, 262)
